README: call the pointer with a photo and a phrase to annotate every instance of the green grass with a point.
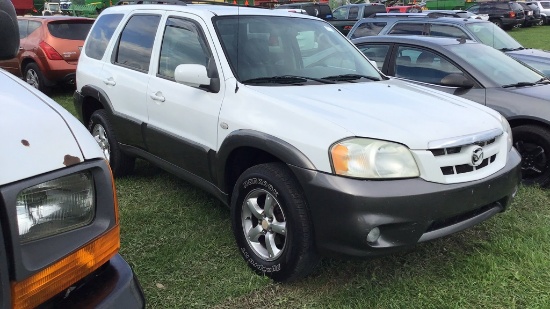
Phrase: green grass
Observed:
(179, 242)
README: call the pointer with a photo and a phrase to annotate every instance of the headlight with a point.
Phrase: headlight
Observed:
(55, 206)
(508, 130)
(368, 158)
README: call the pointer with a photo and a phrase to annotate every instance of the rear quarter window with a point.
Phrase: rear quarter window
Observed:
(368, 29)
(101, 34)
(407, 29)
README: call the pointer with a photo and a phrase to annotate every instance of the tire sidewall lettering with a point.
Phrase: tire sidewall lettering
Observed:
(260, 182)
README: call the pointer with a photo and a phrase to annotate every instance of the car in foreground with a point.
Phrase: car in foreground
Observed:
(480, 73)
(49, 50)
(282, 119)
(60, 228)
(472, 29)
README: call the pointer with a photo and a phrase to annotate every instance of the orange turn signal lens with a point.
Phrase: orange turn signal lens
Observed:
(54, 279)
(340, 158)
(115, 199)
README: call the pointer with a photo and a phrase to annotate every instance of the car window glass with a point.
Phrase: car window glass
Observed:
(499, 67)
(545, 5)
(340, 13)
(101, 34)
(447, 31)
(70, 30)
(368, 29)
(182, 43)
(136, 42)
(422, 65)
(474, 9)
(492, 35)
(33, 26)
(407, 29)
(353, 12)
(22, 28)
(375, 52)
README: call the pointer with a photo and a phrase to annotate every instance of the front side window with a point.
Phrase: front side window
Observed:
(474, 9)
(136, 42)
(353, 12)
(182, 43)
(368, 29)
(422, 65)
(447, 31)
(276, 50)
(101, 34)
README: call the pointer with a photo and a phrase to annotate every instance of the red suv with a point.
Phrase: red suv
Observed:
(49, 49)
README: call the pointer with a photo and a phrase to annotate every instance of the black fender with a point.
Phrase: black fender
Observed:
(266, 143)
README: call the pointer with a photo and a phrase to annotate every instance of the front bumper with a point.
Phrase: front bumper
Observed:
(407, 211)
(112, 286)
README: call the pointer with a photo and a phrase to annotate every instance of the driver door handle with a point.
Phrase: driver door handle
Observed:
(157, 96)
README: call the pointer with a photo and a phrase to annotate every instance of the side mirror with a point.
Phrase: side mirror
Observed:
(9, 31)
(456, 80)
(196, 75)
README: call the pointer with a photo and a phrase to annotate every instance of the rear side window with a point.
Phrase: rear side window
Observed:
(353, 12)
(407, 29)
(136, 42)
(101, 34)
(447, 31)
(545, 5)
(368, 29)
(70, 30)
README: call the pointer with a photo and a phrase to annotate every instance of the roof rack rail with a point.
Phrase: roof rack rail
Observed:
(179, 2)
(418, 15)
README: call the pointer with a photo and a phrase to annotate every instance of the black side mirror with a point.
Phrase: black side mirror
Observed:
(9, 31)
(456, 80)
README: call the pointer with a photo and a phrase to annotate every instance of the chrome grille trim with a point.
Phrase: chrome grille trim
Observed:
(465, 140)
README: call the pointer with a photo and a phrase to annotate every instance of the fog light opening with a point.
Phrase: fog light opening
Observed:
(373, 235)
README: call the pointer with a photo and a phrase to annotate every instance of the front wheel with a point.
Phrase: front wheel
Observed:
(103, 133)
(271, 223)
(533, 143)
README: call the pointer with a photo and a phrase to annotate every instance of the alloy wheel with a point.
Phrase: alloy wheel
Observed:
(32, 79)
(100, 136)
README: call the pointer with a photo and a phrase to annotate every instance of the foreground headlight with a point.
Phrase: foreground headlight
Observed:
(368, 158)
(508, 130)
(55, 206)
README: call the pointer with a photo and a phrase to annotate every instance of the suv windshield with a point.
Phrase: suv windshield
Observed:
(490, 34)
(285, 50)
(496, 65)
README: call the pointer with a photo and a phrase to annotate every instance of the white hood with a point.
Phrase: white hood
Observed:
(390, 110)
(37, 135)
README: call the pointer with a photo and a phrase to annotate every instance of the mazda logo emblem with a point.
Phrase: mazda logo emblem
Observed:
(477, 156)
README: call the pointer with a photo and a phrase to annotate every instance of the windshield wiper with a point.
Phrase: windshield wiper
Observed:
(506, 49)
(286, 79)
(351, 77)
(543, 81)
(520, 84)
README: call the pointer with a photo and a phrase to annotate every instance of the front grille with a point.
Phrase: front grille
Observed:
(463, 166)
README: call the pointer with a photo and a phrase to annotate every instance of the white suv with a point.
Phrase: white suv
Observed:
(280, 117)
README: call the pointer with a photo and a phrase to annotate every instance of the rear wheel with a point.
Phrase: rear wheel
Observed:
(533, 143)
(35, 78)
(271, 223)
(497, 22)
(102, 131)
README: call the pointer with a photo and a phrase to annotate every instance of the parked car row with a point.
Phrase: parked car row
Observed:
(509, 14)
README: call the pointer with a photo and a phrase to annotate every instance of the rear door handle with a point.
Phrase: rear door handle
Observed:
(157, 96)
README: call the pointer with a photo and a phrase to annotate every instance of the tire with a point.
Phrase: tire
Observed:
(285, 227)
(34, 77)
(533, 143)
(544, 20)
(102, 131)
(497, 22)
